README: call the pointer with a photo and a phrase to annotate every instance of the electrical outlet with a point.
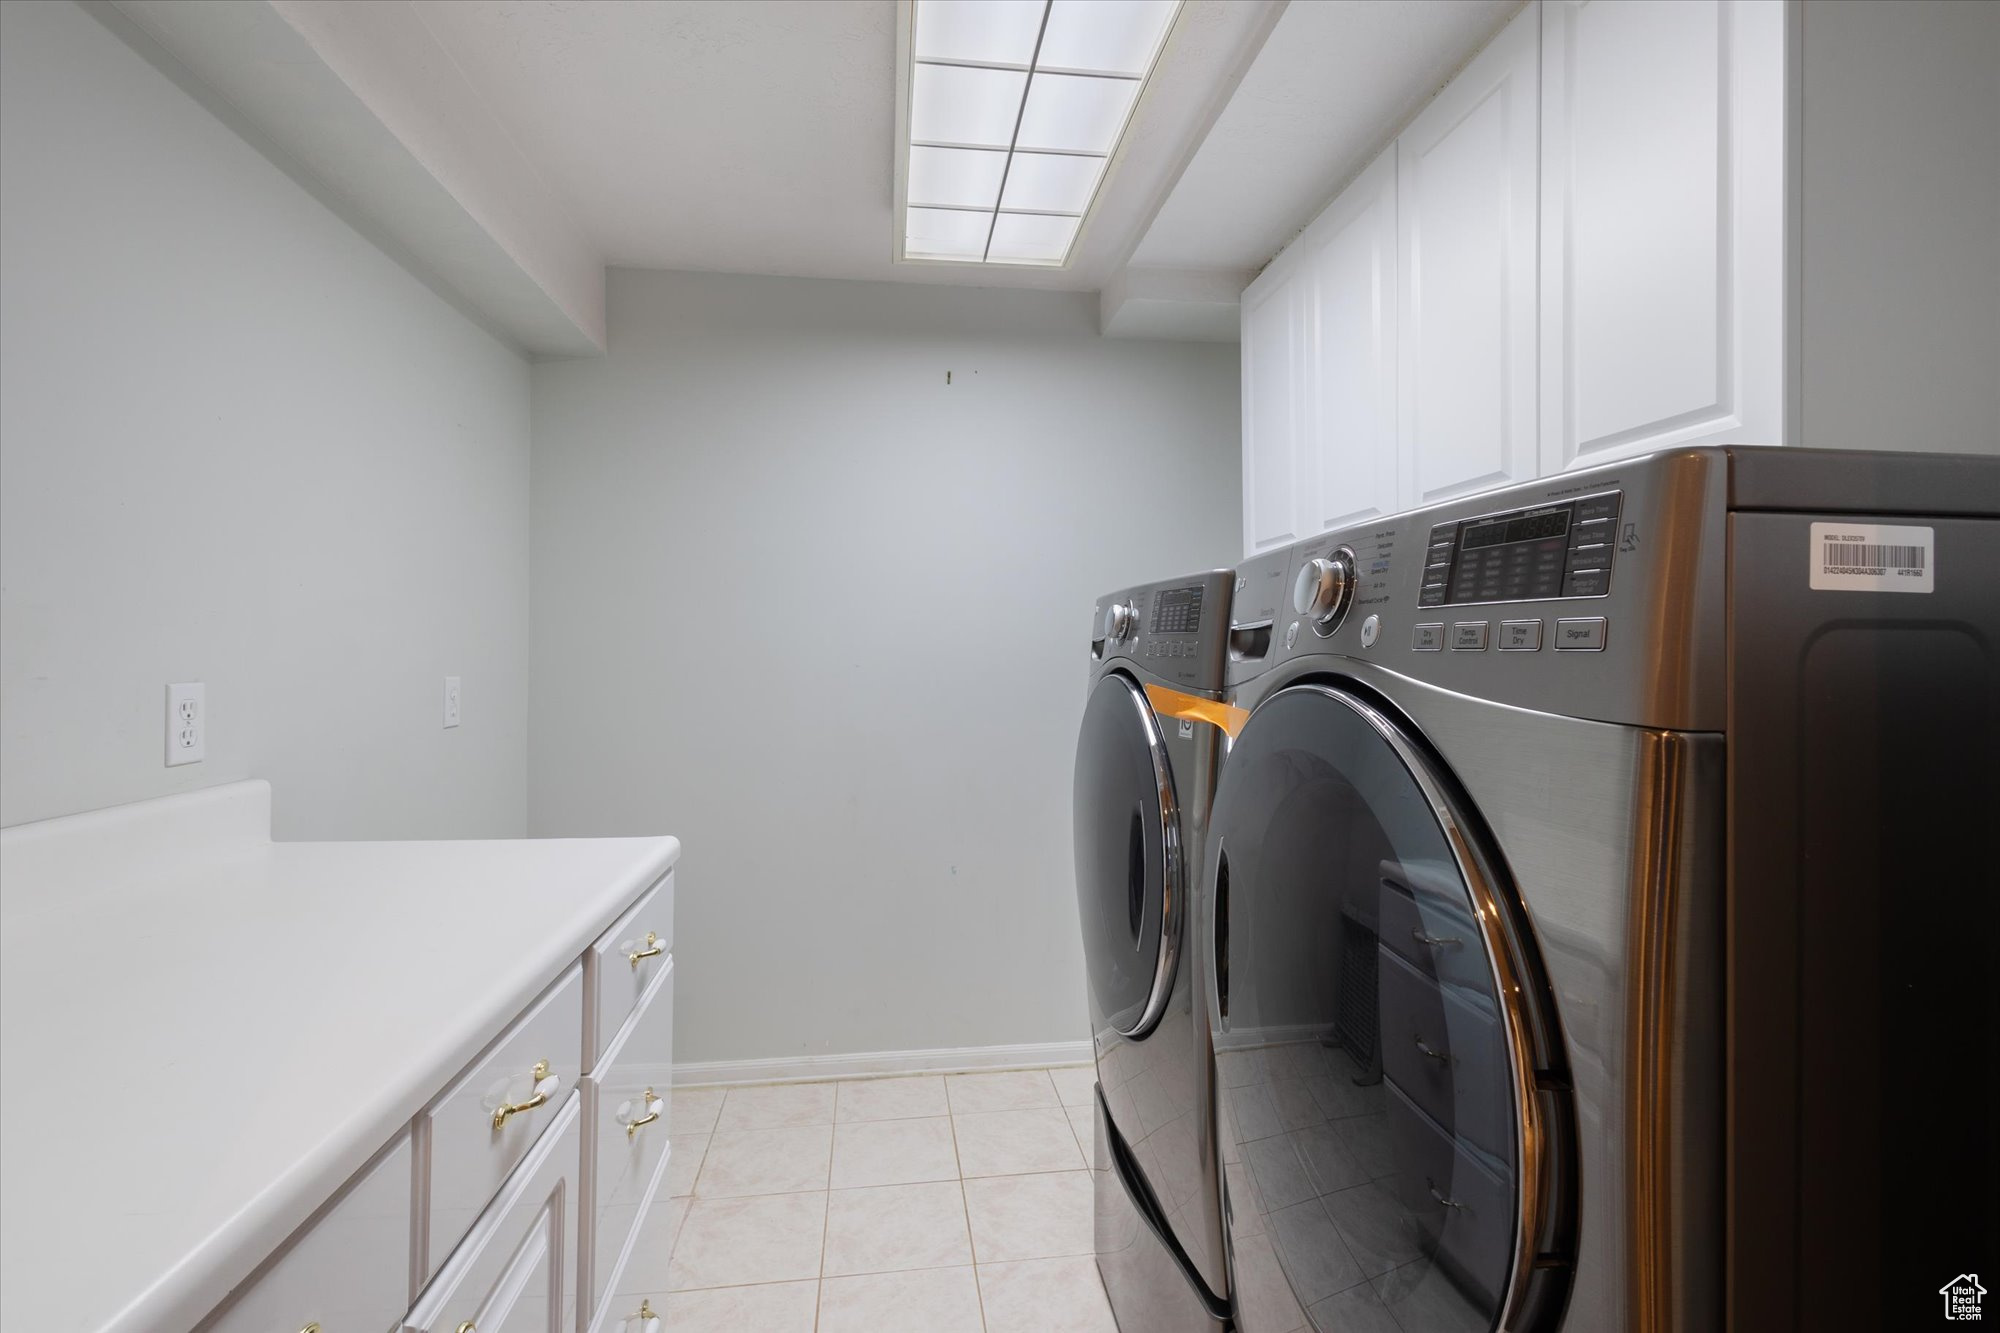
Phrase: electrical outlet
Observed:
(187, 724)
(451, 701)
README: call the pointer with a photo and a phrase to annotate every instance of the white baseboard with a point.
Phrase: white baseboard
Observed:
(946, 1060)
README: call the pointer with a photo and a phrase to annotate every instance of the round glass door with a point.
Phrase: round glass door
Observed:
(1378, 1107)
(1127, 859)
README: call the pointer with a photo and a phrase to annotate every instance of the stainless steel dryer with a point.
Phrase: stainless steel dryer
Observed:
(1602, 922)
(1145, 772)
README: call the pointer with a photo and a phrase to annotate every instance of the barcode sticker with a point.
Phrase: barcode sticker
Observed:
(1871, 557)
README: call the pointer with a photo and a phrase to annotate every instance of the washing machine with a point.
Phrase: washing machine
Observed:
(1601, 914)
(1147, 752)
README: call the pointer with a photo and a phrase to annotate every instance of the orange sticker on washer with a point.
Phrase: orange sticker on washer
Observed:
(1173, 703)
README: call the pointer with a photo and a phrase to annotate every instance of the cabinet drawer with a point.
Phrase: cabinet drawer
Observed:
(468, 1155)
(1464, 1207)
(622, 966)
(508, 1277)
(628, 1158)
(1426, 919)
(348, 1269)
(1446, 1053)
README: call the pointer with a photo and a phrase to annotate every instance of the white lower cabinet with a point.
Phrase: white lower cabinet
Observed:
(488, 1120)
(510, 1275)
(625, 1148)
(521, 1199)
(346, 1271)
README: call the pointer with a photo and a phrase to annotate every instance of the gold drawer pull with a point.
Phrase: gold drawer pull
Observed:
(652, 1114)
(544, 1087)
(467, 1327)
(653, 949)
(311, 1328)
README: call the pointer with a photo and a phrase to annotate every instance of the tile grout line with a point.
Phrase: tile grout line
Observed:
(965, 1207)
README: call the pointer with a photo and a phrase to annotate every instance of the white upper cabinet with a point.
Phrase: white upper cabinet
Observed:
(1575, 253)
(1662, 216)
(1273, 366)
(1466, 202)
(1348, 257)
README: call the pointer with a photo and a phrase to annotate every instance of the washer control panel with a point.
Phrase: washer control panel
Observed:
(1174, 630)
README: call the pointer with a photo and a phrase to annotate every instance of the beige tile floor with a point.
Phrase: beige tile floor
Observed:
(932, 1204)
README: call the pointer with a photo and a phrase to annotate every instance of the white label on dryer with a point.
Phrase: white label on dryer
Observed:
(1871, 557)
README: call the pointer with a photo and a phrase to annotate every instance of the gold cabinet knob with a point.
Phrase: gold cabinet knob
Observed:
(653, 949)
(650, 1102)
(544, 1085)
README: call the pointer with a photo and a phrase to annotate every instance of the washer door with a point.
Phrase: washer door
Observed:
(1128, 859)
(1381, 1127)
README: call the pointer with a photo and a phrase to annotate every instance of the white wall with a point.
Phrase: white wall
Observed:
(826, 617)
(239, 445)
(1901, 219)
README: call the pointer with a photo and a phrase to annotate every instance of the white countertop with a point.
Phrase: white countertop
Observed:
(205, 1037)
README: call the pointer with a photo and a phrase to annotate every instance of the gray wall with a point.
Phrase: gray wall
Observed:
(239, 445)
(1901, 219)
(826, 617)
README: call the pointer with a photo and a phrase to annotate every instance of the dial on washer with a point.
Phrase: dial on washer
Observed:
(1323, 589)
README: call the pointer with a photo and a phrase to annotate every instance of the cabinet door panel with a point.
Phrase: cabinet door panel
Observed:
(1351, 267)
(1662, 226)
(1273, 337)
(1466, 200)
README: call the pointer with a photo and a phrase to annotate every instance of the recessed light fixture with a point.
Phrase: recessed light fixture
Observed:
(1011, 111)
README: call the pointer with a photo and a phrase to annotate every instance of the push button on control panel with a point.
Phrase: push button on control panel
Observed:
(1469, 636)
(1520, 636)
(1582, 635)
(1428, 638)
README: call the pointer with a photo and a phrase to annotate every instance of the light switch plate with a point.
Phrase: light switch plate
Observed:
(451, 701)
(187, 724)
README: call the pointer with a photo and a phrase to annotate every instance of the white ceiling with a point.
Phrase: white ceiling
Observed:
(1334, 82)
(510, 150)
(759, 137)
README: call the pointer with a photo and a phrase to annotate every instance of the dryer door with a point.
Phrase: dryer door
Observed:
(1382, 1133)
(1129, 877)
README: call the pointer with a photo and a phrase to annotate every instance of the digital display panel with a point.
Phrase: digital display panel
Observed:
(1177, 611)
(1533, 526)
(1558, 550)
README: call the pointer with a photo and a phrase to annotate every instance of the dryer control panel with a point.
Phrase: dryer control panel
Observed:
(1593, 593)
(1531, 554)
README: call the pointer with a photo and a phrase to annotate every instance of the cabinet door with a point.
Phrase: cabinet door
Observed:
(1273, 376)
(1466, 184)
(1349, 462)
(1662, 226)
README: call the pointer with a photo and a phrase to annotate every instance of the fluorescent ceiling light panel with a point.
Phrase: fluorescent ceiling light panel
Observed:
(947, 233)
(1031, 238)
(1079, 114)
(956, 104)
(1109, 36)
(957, 177)
(1049, 182)
(989, 82)
(988, 32)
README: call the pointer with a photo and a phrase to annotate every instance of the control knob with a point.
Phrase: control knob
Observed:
(1119, 621)
(1323, 588)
